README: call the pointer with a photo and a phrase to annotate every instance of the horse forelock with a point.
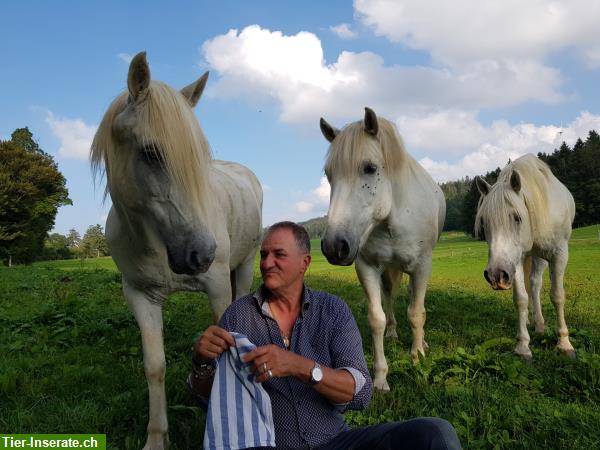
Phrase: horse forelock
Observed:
(167, 122)
(495, 208)
(352, 145)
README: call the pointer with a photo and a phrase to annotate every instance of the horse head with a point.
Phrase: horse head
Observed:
(503, 216)
(361, 190)
(155, 158)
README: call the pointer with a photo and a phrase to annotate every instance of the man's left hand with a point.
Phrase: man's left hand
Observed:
(272, 361)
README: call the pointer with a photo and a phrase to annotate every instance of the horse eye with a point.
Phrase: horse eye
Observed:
(369, 168)
(517, 219)
(151, 155)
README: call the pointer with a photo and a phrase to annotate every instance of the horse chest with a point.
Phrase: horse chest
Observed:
(390, 251)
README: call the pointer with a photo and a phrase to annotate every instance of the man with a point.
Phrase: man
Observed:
(309, 357)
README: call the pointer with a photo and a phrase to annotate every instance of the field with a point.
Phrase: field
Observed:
(72, 363)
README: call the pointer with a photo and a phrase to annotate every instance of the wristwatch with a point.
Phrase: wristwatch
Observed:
(316, 374)
(202, 368)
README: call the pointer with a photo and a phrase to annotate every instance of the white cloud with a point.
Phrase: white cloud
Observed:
(74, 135)
(260, 64)
(125, 57)
(315, 202)
(491, 147)
(304, 207)
(466, 31)
(343, 31)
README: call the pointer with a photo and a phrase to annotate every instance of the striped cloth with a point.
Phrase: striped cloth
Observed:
(239, 410)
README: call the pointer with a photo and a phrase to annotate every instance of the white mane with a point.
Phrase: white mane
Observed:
(170, 128)
(495, 207)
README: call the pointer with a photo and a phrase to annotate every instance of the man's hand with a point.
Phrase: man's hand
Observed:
(272, 361)
(213, 342)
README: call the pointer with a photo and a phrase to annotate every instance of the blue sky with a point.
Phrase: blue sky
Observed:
(469, 84)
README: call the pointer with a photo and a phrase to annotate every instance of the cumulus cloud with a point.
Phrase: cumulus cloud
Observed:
(315, 202)
(463, 31)
(75, 136)
(257, 63)
(343, 31)
(491, 147)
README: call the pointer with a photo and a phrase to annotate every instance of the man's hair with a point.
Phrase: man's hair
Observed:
(300, 235)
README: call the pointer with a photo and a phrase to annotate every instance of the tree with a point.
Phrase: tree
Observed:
(579, 170)
(455, 193)
(93, 243)
(471, 200)
(31, 191)
(73, 239)
(56, 246)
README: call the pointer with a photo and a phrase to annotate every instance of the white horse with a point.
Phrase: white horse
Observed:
(385, 214)
(179, 220)
(526, 218)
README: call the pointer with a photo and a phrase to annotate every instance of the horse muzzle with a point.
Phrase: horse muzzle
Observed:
(192, 260)
(339, 251)
(498, 279)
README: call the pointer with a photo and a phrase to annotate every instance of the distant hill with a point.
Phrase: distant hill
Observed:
(315, 227)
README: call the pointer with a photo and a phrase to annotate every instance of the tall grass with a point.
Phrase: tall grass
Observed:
(72, 361)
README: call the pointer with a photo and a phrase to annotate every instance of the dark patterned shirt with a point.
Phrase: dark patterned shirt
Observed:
(326, 332)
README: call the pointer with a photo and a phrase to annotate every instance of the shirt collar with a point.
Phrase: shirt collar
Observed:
(262, 294)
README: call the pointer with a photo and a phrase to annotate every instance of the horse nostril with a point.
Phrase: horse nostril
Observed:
(504, 277)
(194, 259)
(342, 249)
(486, 276)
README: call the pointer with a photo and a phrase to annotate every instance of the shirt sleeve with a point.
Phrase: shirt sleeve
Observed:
(347, 353)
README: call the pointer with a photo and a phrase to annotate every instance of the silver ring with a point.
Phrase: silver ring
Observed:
(264, 367)
(270, 374)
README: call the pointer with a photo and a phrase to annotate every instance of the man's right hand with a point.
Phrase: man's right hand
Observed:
(214, 341)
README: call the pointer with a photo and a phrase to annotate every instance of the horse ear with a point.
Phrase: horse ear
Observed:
(371, 125)
(515, 181)
(194, 91)
(482, 185)
(138, 78)
(328, 131)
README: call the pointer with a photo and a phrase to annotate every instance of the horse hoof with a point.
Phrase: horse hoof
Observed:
(525, 355)
(391, 335)
(381, 385)
(570, 352)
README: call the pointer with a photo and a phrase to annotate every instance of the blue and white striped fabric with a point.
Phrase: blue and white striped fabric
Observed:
(239, 410)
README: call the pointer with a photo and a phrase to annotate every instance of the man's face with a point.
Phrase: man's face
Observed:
(282, 264)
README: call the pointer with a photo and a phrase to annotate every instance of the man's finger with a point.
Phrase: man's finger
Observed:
(225, 336)
(258, 351)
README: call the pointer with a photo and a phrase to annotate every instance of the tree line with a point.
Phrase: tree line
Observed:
(92, 245)
(32, 189)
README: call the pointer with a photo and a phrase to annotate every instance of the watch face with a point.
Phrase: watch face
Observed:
(317, 374)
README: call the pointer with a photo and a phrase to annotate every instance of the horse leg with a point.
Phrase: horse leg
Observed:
(535, 281)
(370, 279)
(416, 307)
(390, 281)
(521, 301)
(149, 318)
(558, 264)
(219, 290)
(243, 277)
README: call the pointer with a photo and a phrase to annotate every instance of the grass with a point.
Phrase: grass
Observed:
(72, 359)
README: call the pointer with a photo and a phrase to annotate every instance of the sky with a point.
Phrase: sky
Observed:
(469, 84)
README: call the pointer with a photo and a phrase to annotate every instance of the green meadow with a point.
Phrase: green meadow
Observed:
(72, 360)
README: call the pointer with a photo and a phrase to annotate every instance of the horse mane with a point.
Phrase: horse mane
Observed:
(496, 205)
(171, 129)
(349, 149)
